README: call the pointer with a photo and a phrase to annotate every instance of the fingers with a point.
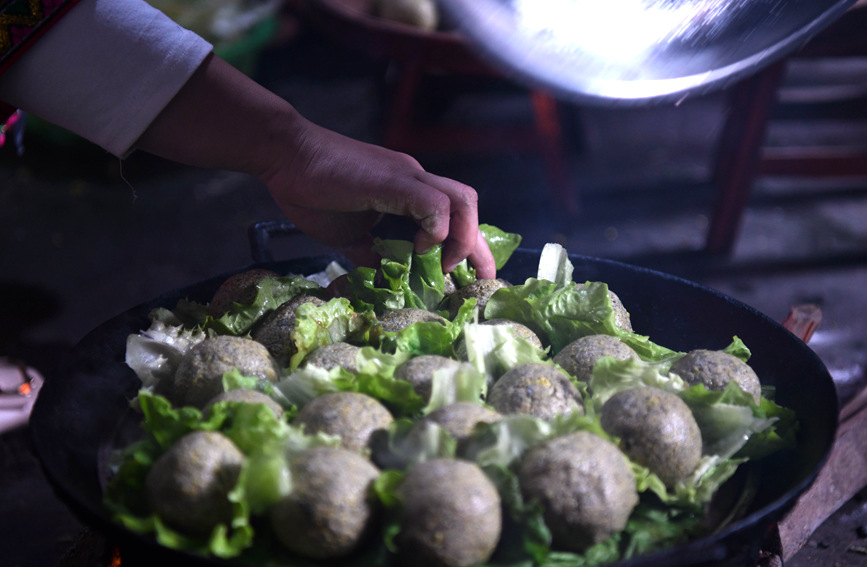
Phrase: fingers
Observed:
(458, 229)
(482, 259)
(446, 211)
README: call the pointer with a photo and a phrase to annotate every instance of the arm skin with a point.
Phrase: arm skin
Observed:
(332, 187)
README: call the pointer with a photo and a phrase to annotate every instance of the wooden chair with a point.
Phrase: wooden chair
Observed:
(413, 55)
(742, 155)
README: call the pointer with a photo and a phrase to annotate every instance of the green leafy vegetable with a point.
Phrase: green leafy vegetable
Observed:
(494, 349)
(407, 279)
(734, 428)
(266, 441)
(559, 314)
(502, 244)
(336, 321)
(155, 353)
(406, 443)
(270, 294)
(460, 384)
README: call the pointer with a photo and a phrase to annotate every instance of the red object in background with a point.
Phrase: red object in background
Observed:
(19, 385)
(13, 129)
(803, 320)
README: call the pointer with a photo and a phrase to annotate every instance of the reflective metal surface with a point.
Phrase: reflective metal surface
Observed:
(636, 51)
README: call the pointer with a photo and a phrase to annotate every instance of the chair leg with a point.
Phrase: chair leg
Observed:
(402, 134)
(546, 120)
(399, 128)
(739, 154)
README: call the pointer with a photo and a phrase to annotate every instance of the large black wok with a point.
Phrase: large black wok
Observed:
(82, 411)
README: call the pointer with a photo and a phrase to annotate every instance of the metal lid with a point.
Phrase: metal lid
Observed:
(628, 52)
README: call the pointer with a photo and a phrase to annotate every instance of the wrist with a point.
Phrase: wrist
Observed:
(278, 145)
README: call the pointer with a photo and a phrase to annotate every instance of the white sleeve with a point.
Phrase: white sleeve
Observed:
(105, 71)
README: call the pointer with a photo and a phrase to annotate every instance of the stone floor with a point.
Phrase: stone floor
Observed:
(85, 237)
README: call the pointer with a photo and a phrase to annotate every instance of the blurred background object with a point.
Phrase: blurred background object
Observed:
(628, 52)
(799, 87)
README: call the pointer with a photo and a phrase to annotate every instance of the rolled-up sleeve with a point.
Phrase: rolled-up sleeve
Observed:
(105, 71)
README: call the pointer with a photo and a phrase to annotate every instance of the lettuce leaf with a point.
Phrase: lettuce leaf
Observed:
(154, 354)
(404, 279)
(560, 314)
(554, 265)
(462, 383)
(375, 377)
(611, 375)
(336, 321)
(422, 337)
(502, 244)
(304, 384)
(739, 349)
(234, 380)
(270, 294)
(495, 349)
(407, 279)
(406, 443)
(733, 425)
(267, 442)
(266, 477)
(503, 443)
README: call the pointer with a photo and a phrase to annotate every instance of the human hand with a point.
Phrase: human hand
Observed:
(332, 187)
(336, 189)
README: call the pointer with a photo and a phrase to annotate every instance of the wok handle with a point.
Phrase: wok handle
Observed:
(803, 320)
(261, 233)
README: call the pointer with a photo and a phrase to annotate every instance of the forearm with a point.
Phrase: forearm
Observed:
(222, 119)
